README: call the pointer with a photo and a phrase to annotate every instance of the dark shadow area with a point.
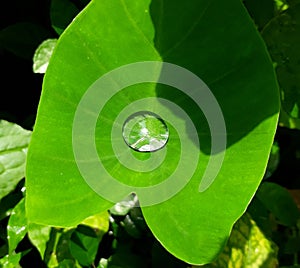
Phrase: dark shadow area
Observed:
(218, 42)
(287, 173)
(20, 91)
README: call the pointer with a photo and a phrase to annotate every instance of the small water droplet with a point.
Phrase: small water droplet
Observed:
(145, 132)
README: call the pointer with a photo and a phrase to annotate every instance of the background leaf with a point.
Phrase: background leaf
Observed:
(84, 245)
(17, 226)
(11, 261)
(14, 141)
(247, 247)
(39, 235)
(23, 38)
(280, 202)
(282, 36)
(42, 55)
(261, 11)
(98, 222)
(62, 12)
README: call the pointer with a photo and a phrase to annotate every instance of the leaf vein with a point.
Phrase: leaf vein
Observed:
(138, 29)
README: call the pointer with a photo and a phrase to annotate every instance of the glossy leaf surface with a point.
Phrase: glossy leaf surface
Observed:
(11, 261)
(247, 247)
(39, 236)
(42, 55)
(201, 36)
(17, 226)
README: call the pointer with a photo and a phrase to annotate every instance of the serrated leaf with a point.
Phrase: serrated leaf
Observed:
(42, 55)
(14, 141)
(17, 226)
(201, 36)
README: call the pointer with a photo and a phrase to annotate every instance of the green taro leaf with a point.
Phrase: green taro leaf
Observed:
(14, 141)
(217, 41)
(17, 226)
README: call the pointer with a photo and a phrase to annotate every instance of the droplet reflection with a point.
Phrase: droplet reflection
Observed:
(145, 132)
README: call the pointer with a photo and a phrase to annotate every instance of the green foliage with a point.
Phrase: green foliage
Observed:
(153, 38)
(247, 247)
(230, 57)
(42, 55)
(276, 199)
(282, 36)
(83, 245)
(39, 236)
(14, 141)
(263, 11)
(17, 226)
(23, 38)
(62, 12)
(11, 261)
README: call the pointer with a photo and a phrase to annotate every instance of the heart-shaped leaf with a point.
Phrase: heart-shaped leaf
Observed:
(104, 72)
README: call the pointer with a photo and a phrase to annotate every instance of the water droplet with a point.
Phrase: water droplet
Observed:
(145, 132)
